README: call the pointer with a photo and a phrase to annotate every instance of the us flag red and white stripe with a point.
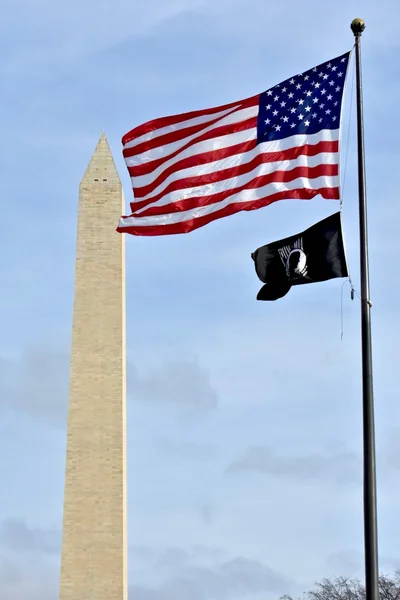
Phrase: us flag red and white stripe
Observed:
(190, 169)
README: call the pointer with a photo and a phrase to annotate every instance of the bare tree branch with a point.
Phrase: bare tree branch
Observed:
(344, 588)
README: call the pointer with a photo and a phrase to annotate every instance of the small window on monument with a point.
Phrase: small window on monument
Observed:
(96, 179)
(104, 179)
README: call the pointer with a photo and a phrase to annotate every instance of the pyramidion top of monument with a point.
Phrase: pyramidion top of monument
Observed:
(101, 169)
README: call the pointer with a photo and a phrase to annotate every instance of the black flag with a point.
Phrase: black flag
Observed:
(316, 254)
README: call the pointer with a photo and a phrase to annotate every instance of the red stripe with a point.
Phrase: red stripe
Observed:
(147, 167)
(289, 154)
(207, 157)
(155, 124)
(221, 174)
(192, 224)
(174, 136)
(257, 182)
(195, 161)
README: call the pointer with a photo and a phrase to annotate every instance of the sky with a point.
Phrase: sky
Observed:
(244, 418)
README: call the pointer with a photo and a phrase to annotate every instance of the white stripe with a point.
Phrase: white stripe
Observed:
(151, 135)
(226, 141)
(329, 158)
(167, 149)
(217, 143)
(238, 181)
(242, 197)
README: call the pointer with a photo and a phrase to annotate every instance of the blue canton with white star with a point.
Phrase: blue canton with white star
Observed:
(305, 103)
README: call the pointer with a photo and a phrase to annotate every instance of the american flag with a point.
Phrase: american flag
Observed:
(190, 169)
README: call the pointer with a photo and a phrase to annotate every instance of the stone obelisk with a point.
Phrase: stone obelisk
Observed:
(94, 553)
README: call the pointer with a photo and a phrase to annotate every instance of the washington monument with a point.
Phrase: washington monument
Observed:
(94, 553)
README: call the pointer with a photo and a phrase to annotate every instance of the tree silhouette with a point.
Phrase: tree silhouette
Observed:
(344, 588)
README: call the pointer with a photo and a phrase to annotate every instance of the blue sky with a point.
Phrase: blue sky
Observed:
(244, 418)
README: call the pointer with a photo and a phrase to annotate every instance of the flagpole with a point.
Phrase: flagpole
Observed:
(370, 504)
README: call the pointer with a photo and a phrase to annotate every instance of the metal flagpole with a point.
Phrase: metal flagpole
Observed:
(370, 508)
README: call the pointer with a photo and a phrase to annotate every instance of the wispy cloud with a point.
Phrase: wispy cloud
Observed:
(29, 561)
(208, 513)
(36, 383)
(181, 384)
(262, 374)
(16, 535)
(235, 578)
(340, 468)
(346, 562)
(183, 449)
(77, 29)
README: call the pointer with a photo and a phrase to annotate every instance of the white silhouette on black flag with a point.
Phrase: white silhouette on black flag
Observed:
(316, 254)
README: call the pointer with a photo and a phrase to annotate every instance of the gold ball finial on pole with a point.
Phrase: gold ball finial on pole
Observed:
(357, 26)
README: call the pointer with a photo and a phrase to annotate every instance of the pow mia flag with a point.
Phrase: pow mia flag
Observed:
(316, 254)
